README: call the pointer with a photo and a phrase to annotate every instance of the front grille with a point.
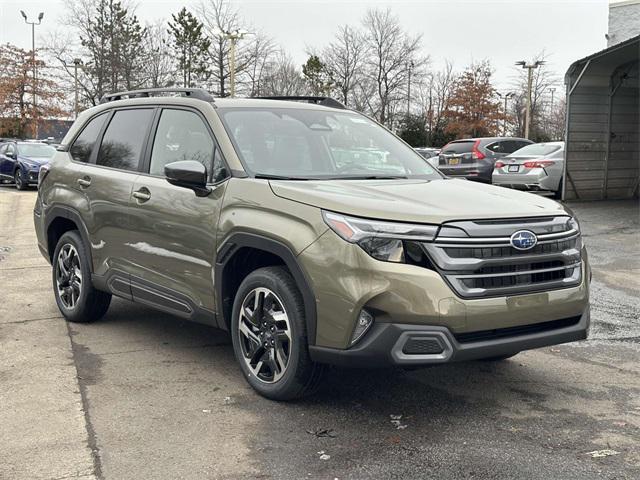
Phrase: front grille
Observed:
(422, 346)
(515, 331)
(477, 259)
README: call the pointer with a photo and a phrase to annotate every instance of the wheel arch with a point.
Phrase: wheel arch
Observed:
(58, 221)
(268, 252)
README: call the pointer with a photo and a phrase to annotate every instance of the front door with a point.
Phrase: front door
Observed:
(172, 244)
(107, 181)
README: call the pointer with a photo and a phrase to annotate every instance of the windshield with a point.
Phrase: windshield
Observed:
(36, 150)
(536, 150)
(319, 144)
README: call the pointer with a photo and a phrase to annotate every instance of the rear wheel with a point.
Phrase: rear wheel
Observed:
(18, 178)
(269, 335)
(76, 297)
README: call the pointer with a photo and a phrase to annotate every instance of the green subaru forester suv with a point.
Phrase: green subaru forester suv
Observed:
(308, 231)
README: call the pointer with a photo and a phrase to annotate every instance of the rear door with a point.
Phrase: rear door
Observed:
(3, 161)
(173, 231)
(107, 181)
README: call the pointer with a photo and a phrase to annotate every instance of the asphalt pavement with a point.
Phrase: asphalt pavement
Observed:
(143, 395)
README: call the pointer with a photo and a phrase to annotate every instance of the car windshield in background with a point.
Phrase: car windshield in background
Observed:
(35, 150)
(536, 150)
(318, 144)
(458, 147)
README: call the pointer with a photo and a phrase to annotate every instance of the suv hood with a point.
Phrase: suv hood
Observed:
(419, 201)
(35, 160)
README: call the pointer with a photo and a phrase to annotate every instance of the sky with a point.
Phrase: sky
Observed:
(462, 31)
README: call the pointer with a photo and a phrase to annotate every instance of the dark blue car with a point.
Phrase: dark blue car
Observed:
(20, 162)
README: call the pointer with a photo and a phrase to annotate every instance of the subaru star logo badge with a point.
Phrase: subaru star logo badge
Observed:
(523, 240)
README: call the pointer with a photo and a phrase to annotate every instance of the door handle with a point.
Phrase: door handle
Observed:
(84, 182)
(143, 194)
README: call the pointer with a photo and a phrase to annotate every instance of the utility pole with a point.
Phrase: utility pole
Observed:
(410, 66)
(506, 97)
(33, 61)
(530, 67)
(233, 36)
(552, 90)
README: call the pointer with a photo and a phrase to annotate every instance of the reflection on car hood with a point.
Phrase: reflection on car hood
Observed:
(35, 160)
(419, 201)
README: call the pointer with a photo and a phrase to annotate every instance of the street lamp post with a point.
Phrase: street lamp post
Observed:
(410, 66)
(552, 90)
(530, 67)
(506, 97)
(233, 36)
(33, 60)
(76, 64)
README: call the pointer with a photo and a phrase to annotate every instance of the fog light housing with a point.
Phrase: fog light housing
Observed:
(364, 322)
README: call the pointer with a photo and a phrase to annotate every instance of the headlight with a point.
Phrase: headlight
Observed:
(382, 240)
(572, 224)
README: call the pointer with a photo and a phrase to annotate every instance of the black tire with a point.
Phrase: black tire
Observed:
(301, 376)
(90, 304)
(499, 358)
(557, 195)
(21, 183)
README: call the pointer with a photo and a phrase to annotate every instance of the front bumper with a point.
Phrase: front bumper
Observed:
(393, 344)
(31, 177)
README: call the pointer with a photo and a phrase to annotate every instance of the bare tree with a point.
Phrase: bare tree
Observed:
(260, 54)
(392, 55)
(159, 66)
(344, 58)
(283, 78)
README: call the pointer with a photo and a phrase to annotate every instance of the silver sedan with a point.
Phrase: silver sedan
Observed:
(536, 167)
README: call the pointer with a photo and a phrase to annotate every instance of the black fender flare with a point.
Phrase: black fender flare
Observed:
(275, 247)
(59, 211)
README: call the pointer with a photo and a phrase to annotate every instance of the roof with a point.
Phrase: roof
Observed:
(617, 55)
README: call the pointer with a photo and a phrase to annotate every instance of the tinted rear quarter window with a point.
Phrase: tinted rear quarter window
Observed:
(458, 147)
(83, 145)
(123, 140)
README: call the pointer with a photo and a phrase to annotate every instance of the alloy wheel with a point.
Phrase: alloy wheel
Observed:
(68, 276)
(265, 335)
(18, 179)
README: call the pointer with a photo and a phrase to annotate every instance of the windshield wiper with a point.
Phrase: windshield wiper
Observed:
(268, 176)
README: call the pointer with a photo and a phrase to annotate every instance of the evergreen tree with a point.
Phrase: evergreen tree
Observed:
(190, 46)
(317, 76)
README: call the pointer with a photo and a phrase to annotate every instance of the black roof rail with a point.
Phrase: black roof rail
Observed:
(325, 101)
(197, 93)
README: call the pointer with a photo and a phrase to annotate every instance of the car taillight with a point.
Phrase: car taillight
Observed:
(42, 173)
(499, 164)
(475, 153)
(538, 164)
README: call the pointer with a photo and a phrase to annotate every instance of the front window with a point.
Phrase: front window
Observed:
(36, 150)
(319, 144)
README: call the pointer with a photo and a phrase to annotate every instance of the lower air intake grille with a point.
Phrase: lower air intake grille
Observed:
(422, 346)
(515, 331)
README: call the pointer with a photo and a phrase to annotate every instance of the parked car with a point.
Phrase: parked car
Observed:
(21, 161)
(235, 213)
(473, 158)
(537, 167)
(429, 154)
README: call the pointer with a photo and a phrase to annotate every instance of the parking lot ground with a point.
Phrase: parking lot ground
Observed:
(140, 394)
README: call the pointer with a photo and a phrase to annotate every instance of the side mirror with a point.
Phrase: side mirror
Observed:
(188, 174)
(13, 155)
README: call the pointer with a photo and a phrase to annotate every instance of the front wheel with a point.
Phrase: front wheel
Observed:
(269, 335)
(76, 297)
(21, 182)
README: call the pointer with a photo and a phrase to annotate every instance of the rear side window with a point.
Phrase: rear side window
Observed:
(458, 147)
(497, 147)
(123, 140)
(181, 135)
(83, 146)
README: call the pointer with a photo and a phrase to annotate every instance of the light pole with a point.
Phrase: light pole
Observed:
(33, 60)
(233, 36)
(76, 63)
(506, 97)
(552, 90)
(410, 66)
(530, 67)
